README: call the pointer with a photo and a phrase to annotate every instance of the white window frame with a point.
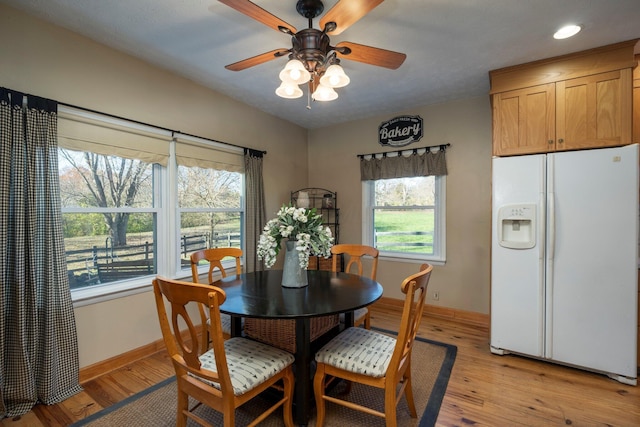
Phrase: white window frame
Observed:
(229, 265)
(439, 235)
(168, 235)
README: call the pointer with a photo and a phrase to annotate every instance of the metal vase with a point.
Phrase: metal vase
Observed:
(293, 276)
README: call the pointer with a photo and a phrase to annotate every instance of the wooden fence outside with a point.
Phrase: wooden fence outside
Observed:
(382, 245)
(97, 265)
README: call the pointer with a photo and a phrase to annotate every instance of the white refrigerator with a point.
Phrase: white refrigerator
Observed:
(564, 259)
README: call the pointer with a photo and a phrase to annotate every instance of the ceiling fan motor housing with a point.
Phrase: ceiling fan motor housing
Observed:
(312, 47)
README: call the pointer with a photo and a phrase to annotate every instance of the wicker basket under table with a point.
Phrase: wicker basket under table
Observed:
(281, 333)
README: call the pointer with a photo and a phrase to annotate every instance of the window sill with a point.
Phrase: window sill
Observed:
(100, 293)
(412, 258)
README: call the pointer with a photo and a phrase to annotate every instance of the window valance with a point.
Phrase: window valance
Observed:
(403, 164)
(83, 131)
(197, 152)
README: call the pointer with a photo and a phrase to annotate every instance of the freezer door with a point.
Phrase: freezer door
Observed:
(592, 259)
(517, 254)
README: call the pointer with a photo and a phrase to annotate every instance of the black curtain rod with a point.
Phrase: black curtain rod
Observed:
(443, 147)
(159, 127)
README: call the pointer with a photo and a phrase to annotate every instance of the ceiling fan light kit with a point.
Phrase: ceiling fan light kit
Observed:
(289, 90)
(312, 59)
(335, 77)
(295, 72)
(324, 93)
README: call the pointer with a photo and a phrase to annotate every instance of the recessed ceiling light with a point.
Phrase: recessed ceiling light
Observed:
(567, 31)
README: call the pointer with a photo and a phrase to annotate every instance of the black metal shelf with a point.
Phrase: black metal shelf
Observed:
(326, 204)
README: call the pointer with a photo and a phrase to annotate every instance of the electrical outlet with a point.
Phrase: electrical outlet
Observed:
(436, 295)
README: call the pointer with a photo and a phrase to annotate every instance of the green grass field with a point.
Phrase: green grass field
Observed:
(412, 230)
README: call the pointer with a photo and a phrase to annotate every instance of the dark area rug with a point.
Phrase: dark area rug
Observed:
(431, 367)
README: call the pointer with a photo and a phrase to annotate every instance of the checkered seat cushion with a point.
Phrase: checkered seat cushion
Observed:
(359, 350)
(250, 363)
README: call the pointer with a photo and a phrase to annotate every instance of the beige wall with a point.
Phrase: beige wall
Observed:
(463, 282)
(47, 61)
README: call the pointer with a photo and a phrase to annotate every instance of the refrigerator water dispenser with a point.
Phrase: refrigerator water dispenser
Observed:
(516, 226)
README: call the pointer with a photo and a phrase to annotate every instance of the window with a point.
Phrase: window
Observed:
(210, 197)
(136, 201)
(404, 217)
(210, 209)
(109, 217)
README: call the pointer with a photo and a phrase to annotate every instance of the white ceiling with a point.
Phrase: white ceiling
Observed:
(450, 44)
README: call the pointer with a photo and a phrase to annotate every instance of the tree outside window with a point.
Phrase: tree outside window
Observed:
(210, 209)
(110, 215)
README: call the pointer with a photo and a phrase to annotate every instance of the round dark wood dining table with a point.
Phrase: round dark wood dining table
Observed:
(260, 294)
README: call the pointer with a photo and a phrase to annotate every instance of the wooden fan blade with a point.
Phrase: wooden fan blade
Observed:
(256, 60)
(254, 11)
(346, 12)
(372, 55)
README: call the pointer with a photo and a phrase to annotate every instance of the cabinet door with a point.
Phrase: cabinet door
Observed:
(523, 120)
(594, 111)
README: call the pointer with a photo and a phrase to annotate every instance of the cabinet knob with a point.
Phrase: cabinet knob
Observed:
(561, 140)
(550, 141)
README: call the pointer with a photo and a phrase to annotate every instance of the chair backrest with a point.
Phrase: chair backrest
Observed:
(415, 289)
(215, 256)
(355, 253)
(185, 351)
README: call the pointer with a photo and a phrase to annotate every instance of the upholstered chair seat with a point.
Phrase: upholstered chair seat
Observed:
(249, 363)
(360, 351)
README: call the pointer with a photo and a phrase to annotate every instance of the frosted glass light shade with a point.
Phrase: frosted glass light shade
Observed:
(294, 72)
(288, 90)
(324, 93)
(334, 77)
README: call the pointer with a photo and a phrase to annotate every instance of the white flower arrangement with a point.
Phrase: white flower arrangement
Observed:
(299, 224)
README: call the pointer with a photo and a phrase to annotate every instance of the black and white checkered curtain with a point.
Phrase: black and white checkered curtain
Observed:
(38, 341)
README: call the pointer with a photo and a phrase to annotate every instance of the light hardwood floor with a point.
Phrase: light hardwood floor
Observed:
(484, 389)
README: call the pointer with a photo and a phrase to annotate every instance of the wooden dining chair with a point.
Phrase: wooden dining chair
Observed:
(230, 372)
(354, 255)
(214, 257)
(368, 357)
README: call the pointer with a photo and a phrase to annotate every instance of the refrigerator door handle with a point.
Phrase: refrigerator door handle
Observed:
(551, 208)
(552, 226)
(548, 297)
(550, 255)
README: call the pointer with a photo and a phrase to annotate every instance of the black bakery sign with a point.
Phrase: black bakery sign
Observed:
(400, 131)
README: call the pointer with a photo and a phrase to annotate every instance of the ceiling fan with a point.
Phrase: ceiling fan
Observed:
(312, 57)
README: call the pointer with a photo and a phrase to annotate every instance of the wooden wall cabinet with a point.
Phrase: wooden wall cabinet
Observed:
(524, 120)
(576, 101)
